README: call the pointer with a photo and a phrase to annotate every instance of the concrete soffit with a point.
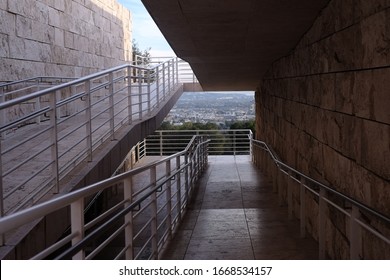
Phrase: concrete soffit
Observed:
(230, 44)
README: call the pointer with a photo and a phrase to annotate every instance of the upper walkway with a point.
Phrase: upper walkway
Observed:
(235, 215)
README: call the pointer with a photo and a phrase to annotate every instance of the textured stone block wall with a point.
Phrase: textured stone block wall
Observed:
(325, 109)
(69, 38)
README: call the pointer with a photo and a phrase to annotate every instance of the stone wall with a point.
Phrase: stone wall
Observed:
(325, 109)
(69, 38)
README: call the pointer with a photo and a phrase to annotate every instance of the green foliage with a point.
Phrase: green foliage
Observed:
(138, 53)
(244, 125)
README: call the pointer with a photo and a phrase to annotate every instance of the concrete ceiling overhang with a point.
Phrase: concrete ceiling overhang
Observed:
(230, 44)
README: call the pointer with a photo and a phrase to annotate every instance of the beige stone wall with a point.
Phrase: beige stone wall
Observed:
(69, 38)
(325, 109)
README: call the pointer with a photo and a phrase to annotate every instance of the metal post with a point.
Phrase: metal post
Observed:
(88, 118)
(149, 93)
(186, 185)
(111, 103)
(169, 199)
(178, 186)
(128, 197)
(234, 142)
(169, 76)
(161, 143)
(163, 80)
(38, 103)
(77, 225)
(153, 206)
(158, 86)
(177, 70)
(302, 208)
(54, 141)
(355, 237)
(322, 224)
(129, 101)
(139, 94)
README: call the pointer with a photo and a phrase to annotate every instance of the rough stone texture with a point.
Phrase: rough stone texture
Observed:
(324, 108)
(62, 38)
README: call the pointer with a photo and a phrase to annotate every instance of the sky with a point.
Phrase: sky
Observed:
(145, 31)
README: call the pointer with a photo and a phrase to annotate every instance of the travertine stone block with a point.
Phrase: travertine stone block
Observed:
(38, 26)
(4, 47)
(7, 22)
(374, 40)
(342, 120)
(376, 148)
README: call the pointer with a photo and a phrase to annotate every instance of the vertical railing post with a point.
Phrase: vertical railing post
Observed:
(186, 185)
(322, 224)
(169, 199)
(129, 234)
(77, 225)
(169, 76)
(129, 101)
(139, 94)
(251, 152)
(163, 80)
(38, 103)
(289, 195)
(302, 208)
(158, 85)
(148, 92)
(177, 70)
(54, 140)
(234, 142)
(153, 205)
(191, 158)
(111, 103)
(88, 118)
(161, 143)
(355, 237)
(178, 186)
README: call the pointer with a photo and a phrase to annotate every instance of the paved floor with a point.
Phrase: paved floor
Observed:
(235, 215)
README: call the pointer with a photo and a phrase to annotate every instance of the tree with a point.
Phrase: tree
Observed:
(141, 57)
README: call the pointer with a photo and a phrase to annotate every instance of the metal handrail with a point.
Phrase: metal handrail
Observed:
(92, 108)
(222, 142)
(195, 161)
(310, 184)
(321, 185)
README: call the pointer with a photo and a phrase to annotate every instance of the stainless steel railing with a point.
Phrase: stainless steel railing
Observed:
(222, 142)
(285, 176)
(45, 134)
(142, 222)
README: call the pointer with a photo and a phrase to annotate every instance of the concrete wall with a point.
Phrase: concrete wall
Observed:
(69, 38)
(325, 109)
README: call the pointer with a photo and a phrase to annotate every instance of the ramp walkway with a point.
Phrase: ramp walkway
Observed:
(235, 215)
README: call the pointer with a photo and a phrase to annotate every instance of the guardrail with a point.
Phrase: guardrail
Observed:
(74, 119)
(142, 222)
(222, 142)
(301, 184)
